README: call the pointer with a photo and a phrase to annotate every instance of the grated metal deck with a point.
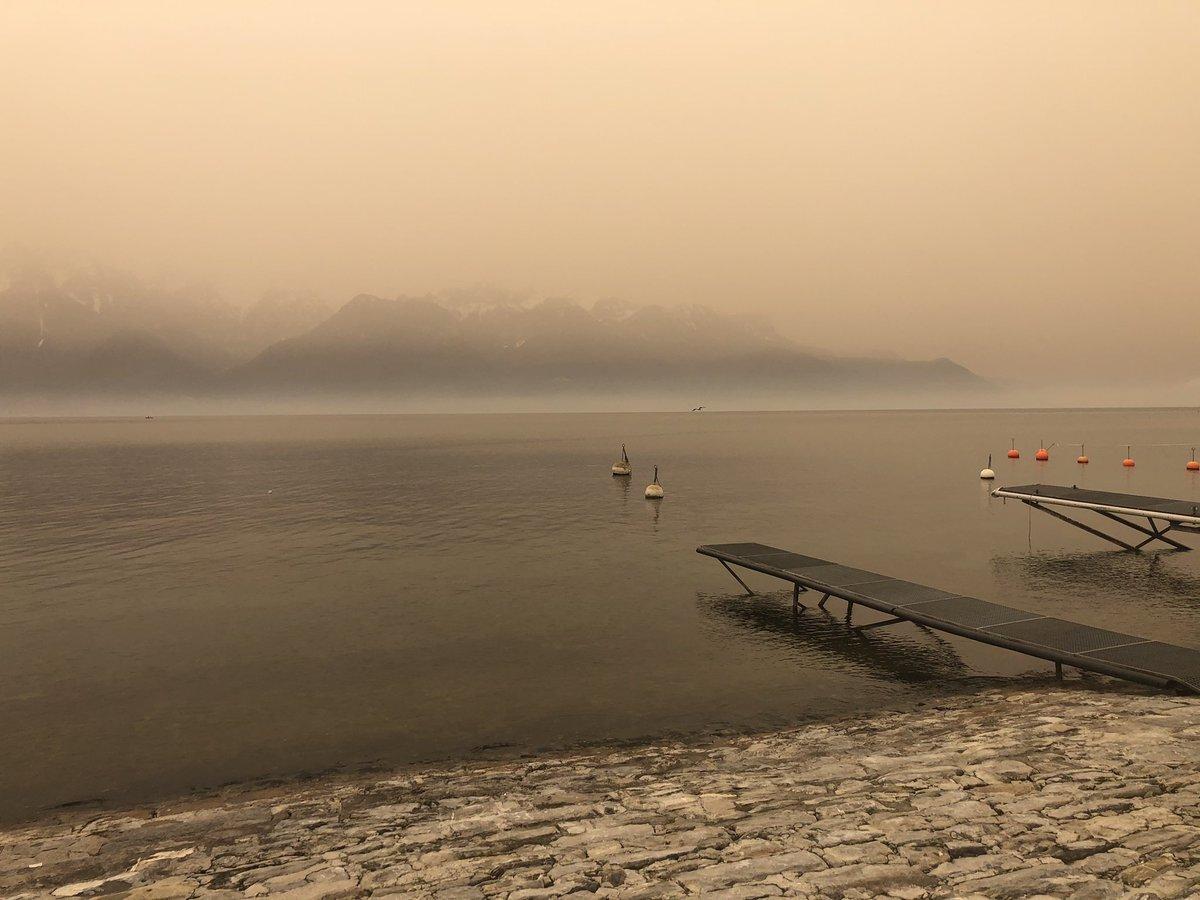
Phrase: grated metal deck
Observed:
(1066, 643)
(1162, 515)
(1185, 511)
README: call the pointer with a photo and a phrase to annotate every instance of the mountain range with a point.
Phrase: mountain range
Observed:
(100, 332)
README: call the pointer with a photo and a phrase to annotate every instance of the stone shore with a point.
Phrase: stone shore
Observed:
(1063, 791)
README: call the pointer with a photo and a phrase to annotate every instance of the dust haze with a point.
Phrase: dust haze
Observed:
(1005, 190)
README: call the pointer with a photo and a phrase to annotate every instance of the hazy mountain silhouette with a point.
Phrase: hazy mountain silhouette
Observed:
(101, 331)
(424, 343)
(98, 330)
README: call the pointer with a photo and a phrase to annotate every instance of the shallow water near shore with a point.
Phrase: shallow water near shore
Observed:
(189, 602)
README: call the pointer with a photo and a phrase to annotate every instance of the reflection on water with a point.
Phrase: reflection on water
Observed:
(654, 510)
(622, 486)
(1147, 579)
(905, 651)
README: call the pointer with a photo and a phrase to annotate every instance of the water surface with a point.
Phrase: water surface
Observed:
(187, 602)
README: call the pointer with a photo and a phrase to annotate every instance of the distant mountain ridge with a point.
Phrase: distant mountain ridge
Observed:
(375, 344)
(105, 333)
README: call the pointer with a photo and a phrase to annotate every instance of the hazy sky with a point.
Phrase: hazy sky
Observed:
(1013, 184)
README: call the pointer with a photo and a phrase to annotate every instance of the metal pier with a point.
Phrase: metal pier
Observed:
(1056, 640)
(1162, 515)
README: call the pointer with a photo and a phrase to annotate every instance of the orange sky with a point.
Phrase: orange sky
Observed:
(1013, 184)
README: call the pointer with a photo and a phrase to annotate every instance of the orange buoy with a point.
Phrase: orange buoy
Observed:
(1043, 454)
(1128, 462)
(1192, 465)
(1014, 453)
(1082, 458)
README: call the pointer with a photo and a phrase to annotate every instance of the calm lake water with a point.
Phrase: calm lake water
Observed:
(188, 602)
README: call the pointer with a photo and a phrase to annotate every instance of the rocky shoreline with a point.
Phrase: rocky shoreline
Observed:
(1066, 791)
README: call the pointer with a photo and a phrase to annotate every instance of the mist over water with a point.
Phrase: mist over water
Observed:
(190, 601)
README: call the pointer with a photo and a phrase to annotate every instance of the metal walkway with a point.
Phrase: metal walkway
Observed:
(1057, 640)
(1174, 515)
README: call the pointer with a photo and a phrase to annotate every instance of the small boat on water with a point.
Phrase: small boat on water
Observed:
(622, 467)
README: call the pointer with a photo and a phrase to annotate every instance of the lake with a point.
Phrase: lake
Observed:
(186, 602)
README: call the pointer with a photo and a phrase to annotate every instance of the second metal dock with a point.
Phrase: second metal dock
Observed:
(1162, 514)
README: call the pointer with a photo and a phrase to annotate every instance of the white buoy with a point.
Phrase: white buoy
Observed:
(654, 490)
(987, 474)
(622, 467)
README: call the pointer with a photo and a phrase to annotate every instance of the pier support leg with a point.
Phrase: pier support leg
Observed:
(1088, 528)
(1162, 536)
(1153, 532)
(1058, 671)
(796, 604)
(745, 587)
(849, 611)
(824, 599)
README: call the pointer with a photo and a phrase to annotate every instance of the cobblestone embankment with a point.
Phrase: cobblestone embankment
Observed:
(1067, 792)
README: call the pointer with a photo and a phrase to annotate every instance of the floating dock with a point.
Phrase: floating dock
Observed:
(1056, 640)
(1174, 515)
